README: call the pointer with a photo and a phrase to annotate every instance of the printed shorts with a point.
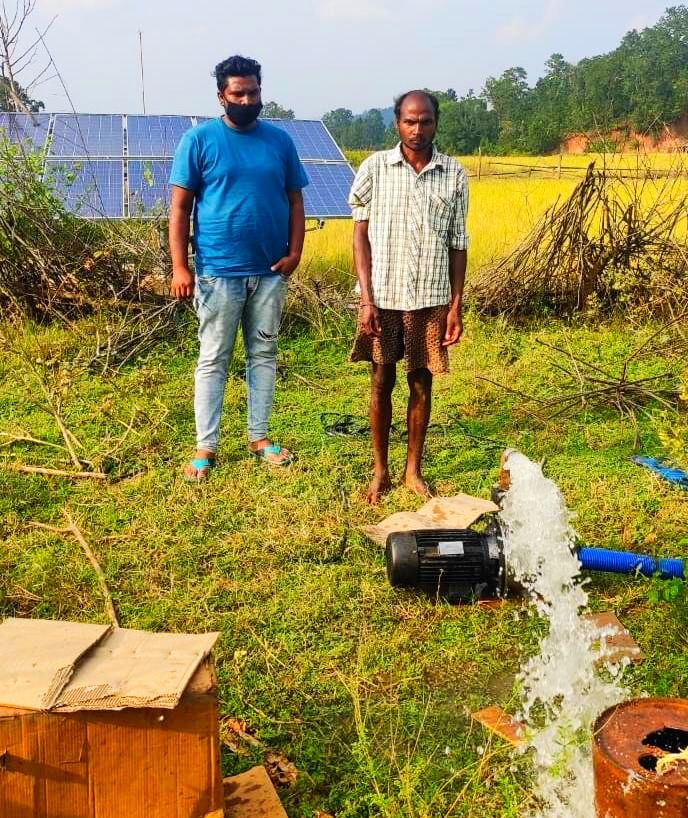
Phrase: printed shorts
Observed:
(416, 336)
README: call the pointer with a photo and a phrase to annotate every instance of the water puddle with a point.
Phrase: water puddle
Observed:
(562, 692)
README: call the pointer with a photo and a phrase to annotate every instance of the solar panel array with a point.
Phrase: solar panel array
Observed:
(118, 166)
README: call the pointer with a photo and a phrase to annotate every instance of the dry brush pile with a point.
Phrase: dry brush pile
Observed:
(56, 266)
(53, 263)
(616, 241)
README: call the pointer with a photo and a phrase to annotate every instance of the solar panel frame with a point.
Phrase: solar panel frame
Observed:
(90, 188)
(116, 166)
(87, 136)
(22, 128)
(142, 131)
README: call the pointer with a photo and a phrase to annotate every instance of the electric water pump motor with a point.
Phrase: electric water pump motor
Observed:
(462, 565)
(459, 565)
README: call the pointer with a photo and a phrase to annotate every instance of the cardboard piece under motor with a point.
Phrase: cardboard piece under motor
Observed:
(460, 511)
(101, 722)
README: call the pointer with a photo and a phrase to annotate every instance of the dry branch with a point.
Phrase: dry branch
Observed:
(73, 529)
(53, 405)
(26, 438)
(132, 332)
(80, 475)
(593, 387)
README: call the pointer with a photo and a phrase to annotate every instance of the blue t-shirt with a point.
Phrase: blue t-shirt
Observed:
(241, 180)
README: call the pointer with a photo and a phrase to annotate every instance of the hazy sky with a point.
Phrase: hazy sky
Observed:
(316, 54)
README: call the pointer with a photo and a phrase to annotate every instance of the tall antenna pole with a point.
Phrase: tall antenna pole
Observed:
(143, 83)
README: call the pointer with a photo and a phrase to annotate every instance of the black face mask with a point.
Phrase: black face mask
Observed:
(243, 115)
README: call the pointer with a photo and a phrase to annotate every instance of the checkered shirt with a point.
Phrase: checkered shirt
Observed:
(413, 222)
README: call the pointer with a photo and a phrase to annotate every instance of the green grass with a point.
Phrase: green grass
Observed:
(366, 689)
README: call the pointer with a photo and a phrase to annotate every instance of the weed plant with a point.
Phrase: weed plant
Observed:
(57, 265)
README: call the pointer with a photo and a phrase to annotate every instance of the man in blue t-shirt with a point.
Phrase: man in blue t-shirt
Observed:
(241, 179)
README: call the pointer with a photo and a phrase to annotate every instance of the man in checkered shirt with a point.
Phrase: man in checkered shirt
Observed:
(409, 207)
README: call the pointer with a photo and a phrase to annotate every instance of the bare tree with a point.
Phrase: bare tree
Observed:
(18, 56)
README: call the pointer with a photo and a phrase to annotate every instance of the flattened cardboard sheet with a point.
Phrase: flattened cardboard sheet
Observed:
(135, 669)
(620, 644)
(505, 726)
(459, 511)
(252, 795)
(38, 657)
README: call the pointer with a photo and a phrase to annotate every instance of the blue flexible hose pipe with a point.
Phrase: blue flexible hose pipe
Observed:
(623, 562)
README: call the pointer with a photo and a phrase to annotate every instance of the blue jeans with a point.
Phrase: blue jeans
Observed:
(221, 304)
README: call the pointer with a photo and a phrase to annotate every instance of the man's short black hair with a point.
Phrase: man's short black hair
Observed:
(399, 101)
(236, 66)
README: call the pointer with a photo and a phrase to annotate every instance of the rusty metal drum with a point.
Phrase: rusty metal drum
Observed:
(628, 742)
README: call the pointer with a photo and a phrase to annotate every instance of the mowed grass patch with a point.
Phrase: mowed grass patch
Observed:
(366, 689)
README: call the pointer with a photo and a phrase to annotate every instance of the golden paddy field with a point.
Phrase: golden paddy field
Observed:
(509, 197)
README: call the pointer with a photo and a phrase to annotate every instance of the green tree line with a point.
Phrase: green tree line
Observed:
(18, 101)
(640, 86)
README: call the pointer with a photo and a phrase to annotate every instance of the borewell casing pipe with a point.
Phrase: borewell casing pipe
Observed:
(628, 741)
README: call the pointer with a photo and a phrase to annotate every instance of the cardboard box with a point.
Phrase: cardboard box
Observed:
(97, 722)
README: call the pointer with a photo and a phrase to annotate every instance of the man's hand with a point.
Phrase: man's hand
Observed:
(182, 285)
(286, 265)
(454, 328)
(370, 321)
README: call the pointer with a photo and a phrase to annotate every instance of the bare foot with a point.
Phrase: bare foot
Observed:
(379, 485)
(418, 485)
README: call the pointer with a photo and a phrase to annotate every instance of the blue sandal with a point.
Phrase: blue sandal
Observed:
(265, 451)
(198, 469)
